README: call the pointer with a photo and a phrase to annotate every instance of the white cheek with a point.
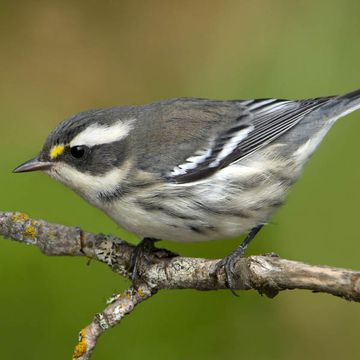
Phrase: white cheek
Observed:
(87, 185)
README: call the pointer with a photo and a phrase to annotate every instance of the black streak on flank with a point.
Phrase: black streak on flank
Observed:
(202, 230)
(170, 212)
(240, 214)
(235, 213)
(196, 229)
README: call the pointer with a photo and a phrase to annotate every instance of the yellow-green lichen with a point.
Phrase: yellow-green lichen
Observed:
(141, 293)
(52, 235)
(30, 232)
(20, 217)
(81, 347)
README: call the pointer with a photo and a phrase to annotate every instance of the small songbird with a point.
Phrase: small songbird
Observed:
(190, 169)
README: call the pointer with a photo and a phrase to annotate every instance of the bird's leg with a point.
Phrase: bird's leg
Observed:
(229, 261)
(145, 245)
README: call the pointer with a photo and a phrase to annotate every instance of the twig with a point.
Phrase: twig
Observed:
(119, 306)
(159, 269)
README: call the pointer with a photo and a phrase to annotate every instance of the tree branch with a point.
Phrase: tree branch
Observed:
(159, 269)
(119, 306)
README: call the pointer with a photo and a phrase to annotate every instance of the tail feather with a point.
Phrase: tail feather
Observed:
(353, 95)
(342, 105)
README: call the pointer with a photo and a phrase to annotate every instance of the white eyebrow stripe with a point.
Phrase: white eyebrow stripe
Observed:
(97, 134)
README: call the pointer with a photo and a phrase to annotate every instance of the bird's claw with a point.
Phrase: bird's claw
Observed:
(228, 263)
(140, 251)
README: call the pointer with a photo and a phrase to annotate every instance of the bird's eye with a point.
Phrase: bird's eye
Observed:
(77, 151)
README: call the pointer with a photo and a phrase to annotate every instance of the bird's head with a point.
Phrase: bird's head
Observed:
(87, 152)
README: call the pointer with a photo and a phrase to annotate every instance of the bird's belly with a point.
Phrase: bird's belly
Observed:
(186, 227)
(208, 210)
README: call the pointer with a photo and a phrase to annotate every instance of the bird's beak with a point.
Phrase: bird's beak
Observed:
(33, 165)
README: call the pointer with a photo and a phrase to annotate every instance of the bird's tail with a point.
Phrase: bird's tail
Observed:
(339, 106)
(316, 125)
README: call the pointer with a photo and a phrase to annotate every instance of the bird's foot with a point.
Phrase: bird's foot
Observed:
(142, 251)
(228, 263)
(145, 246)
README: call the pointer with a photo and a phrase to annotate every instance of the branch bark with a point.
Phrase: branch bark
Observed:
(268, 274)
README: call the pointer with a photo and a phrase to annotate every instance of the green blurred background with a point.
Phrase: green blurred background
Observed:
(61, 57)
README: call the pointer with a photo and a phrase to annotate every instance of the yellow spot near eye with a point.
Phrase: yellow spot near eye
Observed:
(56, 151)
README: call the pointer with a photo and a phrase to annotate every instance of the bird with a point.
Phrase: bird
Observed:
(190, 169)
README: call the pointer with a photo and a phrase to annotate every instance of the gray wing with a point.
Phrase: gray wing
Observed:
(254, 124)
(185, 140)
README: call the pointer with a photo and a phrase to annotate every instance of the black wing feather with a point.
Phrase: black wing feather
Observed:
(266, 120)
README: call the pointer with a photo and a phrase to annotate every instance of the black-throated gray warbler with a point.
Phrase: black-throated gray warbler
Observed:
(190, 169)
